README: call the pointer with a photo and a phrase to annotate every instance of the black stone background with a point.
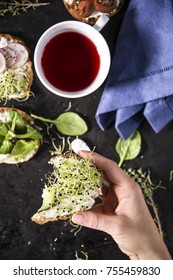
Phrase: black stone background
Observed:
(21, 186)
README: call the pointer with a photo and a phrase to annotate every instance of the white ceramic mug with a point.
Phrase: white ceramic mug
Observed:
(92, 33)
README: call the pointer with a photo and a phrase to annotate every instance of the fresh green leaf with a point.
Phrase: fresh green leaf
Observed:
(1, 139)
(6, 147)
(71, 124)
(31, 133)
(68, 123)
(23, 148)
(14, 117)
(3, 129)
(48, 196)
(130, 148)
(18, 121)
(21, 151)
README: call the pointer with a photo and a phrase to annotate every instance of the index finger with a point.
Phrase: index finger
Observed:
(109, 167)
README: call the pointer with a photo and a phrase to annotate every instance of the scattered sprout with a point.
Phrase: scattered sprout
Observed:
(171, 176)
(85, 254)
(69, 107)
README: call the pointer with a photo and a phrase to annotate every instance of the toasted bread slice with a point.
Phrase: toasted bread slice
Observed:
(19, 139)
(72, 187)
(89, 11)
(16, 76)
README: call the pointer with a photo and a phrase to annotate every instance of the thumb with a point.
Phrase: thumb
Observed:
(95, 220)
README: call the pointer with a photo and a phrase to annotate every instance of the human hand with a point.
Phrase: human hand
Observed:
(123, 214)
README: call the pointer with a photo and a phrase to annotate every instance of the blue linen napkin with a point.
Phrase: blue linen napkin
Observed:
(140, 82)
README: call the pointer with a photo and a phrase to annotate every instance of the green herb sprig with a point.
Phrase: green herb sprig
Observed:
(16, 7)
(143, 179)
(128, 150)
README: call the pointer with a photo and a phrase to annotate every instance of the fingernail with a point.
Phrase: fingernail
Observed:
(78, 219)
(81, 152)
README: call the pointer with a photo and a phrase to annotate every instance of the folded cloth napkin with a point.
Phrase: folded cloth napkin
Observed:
(140, 81)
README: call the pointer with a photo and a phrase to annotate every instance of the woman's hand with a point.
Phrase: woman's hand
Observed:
(123, 214)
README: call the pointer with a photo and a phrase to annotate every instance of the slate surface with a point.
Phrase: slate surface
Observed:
(21, 186)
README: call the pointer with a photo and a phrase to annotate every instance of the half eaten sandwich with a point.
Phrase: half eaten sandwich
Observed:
(72, 186)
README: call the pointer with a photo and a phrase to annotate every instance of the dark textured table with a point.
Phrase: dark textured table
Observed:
(21, 186)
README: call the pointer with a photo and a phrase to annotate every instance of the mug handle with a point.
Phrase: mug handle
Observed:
(101, 22)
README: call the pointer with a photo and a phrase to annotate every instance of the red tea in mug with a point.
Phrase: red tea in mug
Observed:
(70, 61)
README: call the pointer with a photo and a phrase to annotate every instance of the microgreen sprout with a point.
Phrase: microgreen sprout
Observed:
(76, 228)
(171, 176)
(13, 84)
(71, 187)
(69, 107)
(85, 254)
(60, 149)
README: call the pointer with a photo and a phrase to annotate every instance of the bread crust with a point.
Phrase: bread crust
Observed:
(14, 39)
(22, 113)
(41, 220)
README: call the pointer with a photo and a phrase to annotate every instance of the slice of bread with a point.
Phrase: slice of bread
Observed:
(18, 68)
(89, 11)
(13, 134)
(72, 186)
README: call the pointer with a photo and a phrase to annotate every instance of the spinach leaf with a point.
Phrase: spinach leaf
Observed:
(3, 129)
(6, 147)
(68, 123)
(130, 148)
(1, 139)
(71, 124)
(23, 148)
(21, 151)
(30, 133)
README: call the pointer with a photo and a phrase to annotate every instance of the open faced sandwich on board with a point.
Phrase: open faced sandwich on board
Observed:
(90, 10)
(71, 187)
(19, 139)
(16, 74)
